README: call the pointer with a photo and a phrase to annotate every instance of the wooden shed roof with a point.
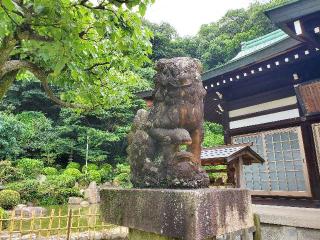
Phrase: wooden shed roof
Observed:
(228, 153)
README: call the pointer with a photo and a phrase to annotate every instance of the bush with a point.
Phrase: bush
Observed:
(213, 135)
(91, 166)
(55, 195)
(9, 173)
(55, 190)
(94, 175)
(30, 167)
(9, 199)
(123, 168)
(49, 171)
(62, 181)
(28, 189)
(106, 172)
(73, 165)
(73, 172)
(4, 215)
(63, 194)
(123, 179)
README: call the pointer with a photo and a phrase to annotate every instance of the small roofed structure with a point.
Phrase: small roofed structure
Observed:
(229, 153)
(234, 157)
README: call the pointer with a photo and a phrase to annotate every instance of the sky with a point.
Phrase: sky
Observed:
(186, 16)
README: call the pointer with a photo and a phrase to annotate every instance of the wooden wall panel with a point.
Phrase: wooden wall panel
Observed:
(309, 97)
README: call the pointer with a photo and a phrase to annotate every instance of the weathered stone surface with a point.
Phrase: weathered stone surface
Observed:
(289, 216)
(184, 214)
(138, 235)
(175, 119)
(28, 212)
(75, 200)
(92, 193)
(84, 204)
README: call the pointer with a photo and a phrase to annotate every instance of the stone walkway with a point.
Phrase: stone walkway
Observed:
(118, 233)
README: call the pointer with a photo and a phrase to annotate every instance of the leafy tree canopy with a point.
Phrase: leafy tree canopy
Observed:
(217, 42)
(89, 50)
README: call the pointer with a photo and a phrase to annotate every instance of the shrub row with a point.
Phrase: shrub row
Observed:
(55, 190)
(59, 184)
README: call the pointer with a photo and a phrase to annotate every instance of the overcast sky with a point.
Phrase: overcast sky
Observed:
(188, 15)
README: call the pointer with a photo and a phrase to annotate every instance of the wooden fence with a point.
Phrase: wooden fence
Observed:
(55, 224)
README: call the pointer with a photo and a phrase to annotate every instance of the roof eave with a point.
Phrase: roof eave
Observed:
(257, 57)
(292, 11)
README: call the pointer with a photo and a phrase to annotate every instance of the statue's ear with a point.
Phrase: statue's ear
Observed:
(160, 64)
(199, 65)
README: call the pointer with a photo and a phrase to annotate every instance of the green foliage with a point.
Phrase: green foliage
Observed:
(65, 137)
(55, 190)
(73, 172)
(89, 49)
(94, 175)
(30, 167)
(49, 171)
(38, 136)
(11, 134)
(91, 166)
(213, 135)
(55, 194)
(9, 199)
(28, 189)
(4, 215)
(122, 168)
(122, 177)
(106, 172)
(62, 195)
(63, 181)
(9, 173)
(217, 42)
(73, 165)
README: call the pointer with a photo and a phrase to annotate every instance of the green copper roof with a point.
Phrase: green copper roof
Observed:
(260, 43)
(254, 51)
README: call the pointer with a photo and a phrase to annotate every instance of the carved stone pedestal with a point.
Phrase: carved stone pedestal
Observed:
(164, 214)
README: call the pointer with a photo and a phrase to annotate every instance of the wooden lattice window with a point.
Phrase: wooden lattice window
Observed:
(284, 172)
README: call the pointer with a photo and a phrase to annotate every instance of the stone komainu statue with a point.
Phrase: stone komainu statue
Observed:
(176, 119)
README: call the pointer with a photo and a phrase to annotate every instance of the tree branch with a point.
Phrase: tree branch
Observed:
(96, 65)
(31, 35)
(101, 6)
(39, 73)
(8, 44)
(6, 82)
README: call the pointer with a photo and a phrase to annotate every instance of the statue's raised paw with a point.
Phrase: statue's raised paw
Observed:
(187, 175)
(178, 136)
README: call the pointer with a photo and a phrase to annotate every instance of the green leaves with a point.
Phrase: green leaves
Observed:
(93, 51)
(8, 4)
(142, 9)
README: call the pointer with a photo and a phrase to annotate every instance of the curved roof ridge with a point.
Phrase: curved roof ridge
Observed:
(260, 43)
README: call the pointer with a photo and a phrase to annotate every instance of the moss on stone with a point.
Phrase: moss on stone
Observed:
(138, 235)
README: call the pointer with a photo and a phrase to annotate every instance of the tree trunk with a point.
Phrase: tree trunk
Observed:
(6, 80)
(6, 83)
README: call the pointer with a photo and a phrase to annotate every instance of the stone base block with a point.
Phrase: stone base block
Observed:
(183, 214)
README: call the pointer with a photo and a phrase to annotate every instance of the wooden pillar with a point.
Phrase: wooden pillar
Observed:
(239, 173)
(311, 159)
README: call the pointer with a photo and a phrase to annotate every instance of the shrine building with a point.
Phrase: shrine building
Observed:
(269, 95)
